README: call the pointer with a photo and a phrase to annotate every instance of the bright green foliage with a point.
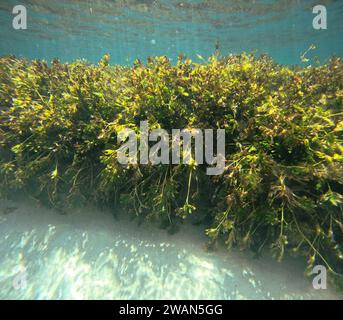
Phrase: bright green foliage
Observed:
(283, 183)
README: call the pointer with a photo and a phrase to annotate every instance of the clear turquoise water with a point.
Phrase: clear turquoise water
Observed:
(90, 255)
(130, 29)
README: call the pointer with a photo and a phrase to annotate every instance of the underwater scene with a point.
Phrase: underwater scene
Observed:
(179, 150)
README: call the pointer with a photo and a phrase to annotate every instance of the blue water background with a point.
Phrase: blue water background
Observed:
(130, 29)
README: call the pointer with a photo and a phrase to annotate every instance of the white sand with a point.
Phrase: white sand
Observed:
(90, 255)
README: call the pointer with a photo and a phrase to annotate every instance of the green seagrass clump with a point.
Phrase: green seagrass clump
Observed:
(282, 186)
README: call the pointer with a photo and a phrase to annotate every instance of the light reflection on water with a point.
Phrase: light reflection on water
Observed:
(90, 255)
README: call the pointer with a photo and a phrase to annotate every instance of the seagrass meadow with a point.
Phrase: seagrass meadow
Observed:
(282, 187)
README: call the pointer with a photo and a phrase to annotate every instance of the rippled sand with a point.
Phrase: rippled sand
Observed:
(90, 255)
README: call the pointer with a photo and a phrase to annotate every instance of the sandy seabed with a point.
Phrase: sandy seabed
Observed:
(88, 254)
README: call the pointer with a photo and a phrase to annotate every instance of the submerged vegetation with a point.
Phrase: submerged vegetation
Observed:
(282, 186)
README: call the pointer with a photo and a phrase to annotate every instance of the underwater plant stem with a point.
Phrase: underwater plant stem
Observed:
(282, 220)
(314, 249)
(189, 184)
(336, 114)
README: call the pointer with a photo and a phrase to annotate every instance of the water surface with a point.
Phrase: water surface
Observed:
(130, 29)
